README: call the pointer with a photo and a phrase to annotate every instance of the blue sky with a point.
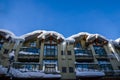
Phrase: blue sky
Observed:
(67, 17)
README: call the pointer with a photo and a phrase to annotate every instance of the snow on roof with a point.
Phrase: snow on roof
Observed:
(115, 43)
(80, 34)
(118, 40)
(32, 33)
(51, 33)
(10, 34)
(70, 39)
(95, 36)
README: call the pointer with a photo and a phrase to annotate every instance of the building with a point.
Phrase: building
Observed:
(80, 56)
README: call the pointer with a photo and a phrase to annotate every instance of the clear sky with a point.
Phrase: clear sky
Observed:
(67, 17)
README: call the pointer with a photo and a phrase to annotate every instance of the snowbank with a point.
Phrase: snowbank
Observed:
(3, 70)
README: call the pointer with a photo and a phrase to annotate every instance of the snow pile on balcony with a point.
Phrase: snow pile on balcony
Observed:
(40, 74)
(88, 73)
(51, 33)
(3, 70)
(30, 53)
(81, 54)
(32, 33)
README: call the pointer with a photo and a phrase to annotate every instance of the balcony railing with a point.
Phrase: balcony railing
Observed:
(29, 50)
(101, 56)
(50, 57)
(50, 67)
(87, 66)
(24, 67)
(28, 58)
(83, 54)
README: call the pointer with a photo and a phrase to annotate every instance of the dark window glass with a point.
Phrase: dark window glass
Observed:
(71, 69)
(69, 52)
(105, 65)
(50, 50)
(62, 52)
(6, 51)
(1, 45)
(99, 50)
(64, 69)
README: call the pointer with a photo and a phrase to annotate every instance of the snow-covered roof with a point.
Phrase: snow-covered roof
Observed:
(32, 33)
(92, 37)
(70, 39)
(10, 34)
(79, 34)
(7, 32)
(115, 43)
(118, 40)
(43, 35)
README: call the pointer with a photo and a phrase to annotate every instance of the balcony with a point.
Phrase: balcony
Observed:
(88, 70)
(28, 58)
(101, 56)
(50, 57)
(50, 68)
(83, 55)
(28, 54)
(25, 67)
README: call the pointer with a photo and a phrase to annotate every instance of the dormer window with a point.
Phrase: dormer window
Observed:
(33, 44)
(78, 45)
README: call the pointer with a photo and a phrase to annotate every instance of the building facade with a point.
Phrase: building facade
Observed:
(80, 56)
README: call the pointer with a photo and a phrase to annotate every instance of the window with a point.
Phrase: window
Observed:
(62, 52)
(1, 45)
(50, 50)
(71, 69)
(33, 44)
(69, 52)
(99, 50)
(77, 45)
(105, 65)
(6, 51)
(64, 69)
